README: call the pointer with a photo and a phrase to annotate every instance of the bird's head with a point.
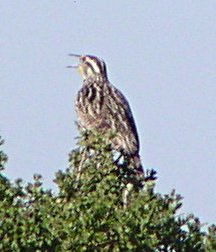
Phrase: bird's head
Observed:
(90, 66)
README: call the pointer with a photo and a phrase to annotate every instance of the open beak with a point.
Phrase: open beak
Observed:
(74, 55)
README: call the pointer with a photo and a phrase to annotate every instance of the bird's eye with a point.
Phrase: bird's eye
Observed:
(82, 59)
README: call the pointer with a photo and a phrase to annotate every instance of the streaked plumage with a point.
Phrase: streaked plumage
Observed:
(99, 105)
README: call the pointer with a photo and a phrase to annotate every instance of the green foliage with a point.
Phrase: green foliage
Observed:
(3, 156)
(88, 212)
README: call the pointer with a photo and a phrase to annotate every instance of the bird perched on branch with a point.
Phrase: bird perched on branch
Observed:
(101, 106)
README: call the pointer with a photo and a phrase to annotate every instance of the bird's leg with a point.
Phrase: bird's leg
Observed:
(84, 155)
(125, 194)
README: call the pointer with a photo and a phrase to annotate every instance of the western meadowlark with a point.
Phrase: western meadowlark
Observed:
(101, 106)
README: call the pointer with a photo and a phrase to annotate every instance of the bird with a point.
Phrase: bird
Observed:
(101, 106)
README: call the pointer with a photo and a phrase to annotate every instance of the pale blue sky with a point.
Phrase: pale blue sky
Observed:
(160, 54)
